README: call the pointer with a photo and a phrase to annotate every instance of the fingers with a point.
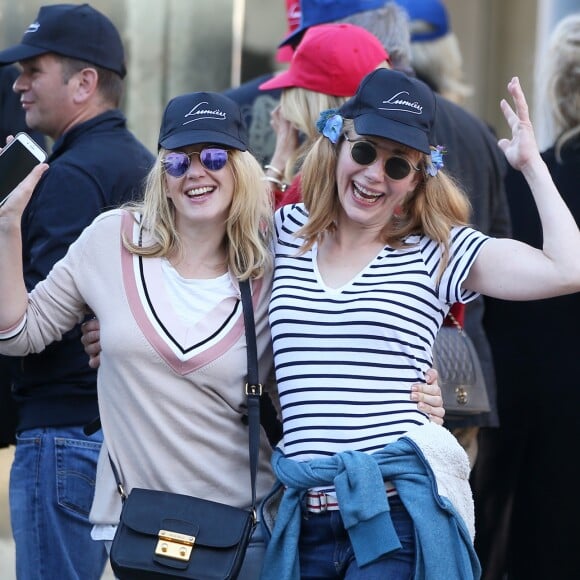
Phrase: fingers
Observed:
(90, 325)
(94, 361)
(515, 90)
(428, 397)
(91, 341)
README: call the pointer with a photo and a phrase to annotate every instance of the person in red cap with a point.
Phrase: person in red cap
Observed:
(326, 69)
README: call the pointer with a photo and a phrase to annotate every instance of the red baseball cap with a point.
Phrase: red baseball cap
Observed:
(332, 59)
(293, 18)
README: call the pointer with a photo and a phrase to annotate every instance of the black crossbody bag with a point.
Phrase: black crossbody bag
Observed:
(170, 535)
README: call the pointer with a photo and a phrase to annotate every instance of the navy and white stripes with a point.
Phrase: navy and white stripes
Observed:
(346, 357)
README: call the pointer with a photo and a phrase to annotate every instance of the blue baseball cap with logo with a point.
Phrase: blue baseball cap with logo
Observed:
(202, 117)
(392, 105)
(312, 12)
(72, 30)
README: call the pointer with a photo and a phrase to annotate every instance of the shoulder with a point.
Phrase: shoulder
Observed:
(109, 221)
(465, 236)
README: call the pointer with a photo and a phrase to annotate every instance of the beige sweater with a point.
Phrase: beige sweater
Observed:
(171, 396)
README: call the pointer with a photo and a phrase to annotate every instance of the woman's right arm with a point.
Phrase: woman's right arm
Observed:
(12, 288)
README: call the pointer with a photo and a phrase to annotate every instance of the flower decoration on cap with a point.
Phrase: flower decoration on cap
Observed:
(436, 163)
(330, 124)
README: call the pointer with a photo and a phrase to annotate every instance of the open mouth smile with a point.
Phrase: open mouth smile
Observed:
(365, 195)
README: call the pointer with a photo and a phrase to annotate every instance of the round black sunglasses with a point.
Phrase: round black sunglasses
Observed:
(365, 153)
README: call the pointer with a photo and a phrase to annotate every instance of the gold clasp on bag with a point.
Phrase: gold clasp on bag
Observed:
(174, 545)
(461, 395)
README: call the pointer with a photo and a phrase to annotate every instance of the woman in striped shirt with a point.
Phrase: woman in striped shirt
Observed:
(366, 270)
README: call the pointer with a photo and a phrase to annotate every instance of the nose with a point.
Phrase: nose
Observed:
(196, 168)
(19, 85)
(376, 170)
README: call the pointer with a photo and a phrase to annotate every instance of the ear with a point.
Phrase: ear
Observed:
(87, 80)
(416, 182)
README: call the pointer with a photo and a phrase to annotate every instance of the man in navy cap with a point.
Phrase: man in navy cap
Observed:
(70, 86)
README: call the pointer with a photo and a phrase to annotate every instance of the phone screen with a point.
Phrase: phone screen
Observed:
(15, 164)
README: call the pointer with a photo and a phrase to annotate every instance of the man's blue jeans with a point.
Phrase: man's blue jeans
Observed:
(52, 483)
(326, 551)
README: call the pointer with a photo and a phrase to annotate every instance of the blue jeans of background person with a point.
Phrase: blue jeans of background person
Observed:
(326, 551)
(52, 482)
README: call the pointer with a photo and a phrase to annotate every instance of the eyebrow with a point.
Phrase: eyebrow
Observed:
(397, 148)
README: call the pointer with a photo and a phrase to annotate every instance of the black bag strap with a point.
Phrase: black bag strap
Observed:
(253, 386)
(253, 390)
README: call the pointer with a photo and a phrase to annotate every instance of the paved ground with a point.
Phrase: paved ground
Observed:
(6, 544)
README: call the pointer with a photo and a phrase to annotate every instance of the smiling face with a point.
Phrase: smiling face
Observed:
(368, 195)
(47, 99)
(201, 196)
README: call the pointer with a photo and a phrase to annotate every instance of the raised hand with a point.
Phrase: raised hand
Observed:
(522, 148)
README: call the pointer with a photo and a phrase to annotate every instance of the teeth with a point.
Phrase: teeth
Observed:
(198, 191)
(364, 194)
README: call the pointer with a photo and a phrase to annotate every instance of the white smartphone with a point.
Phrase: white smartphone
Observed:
(16, 161)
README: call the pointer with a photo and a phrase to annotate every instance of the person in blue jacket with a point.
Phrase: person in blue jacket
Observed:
(70, 86)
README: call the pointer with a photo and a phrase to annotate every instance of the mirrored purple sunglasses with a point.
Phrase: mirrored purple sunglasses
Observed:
(177, 163)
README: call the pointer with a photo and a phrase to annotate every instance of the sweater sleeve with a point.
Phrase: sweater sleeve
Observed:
(54, 306)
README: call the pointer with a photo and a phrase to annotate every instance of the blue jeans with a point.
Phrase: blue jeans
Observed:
(326, 551)
(52, 483)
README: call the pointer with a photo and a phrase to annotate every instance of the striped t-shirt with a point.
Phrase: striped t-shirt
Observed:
(346, 357)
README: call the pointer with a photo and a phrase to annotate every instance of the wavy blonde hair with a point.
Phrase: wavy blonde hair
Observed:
(440, 64)
(248, 227)
(301, 107)
(561, 74)
(434, 207)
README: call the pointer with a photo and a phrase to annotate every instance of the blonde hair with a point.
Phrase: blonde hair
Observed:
(248, 227)
(440, 64)
(435, 206)
(301, 108)
(562, 80)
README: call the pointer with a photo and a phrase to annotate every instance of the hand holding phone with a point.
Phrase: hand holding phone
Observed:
(16, 161)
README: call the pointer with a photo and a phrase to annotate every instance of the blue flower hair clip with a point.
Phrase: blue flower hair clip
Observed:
(436, 163)
(330, 125)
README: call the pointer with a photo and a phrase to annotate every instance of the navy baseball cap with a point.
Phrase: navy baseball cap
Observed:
(203, 118)
(312, 12)
(394, 106)
(72, 30)
(428, 19)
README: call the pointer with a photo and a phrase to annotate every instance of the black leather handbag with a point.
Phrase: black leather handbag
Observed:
(460, 375)
(170, 535)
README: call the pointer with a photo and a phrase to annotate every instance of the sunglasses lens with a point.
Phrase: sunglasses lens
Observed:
(176, 164)
(213, 159)
(397, 168)
(363, 153)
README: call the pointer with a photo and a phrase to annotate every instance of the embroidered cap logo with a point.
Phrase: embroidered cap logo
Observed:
(32, 28)
(198, 113)
(401, 103)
